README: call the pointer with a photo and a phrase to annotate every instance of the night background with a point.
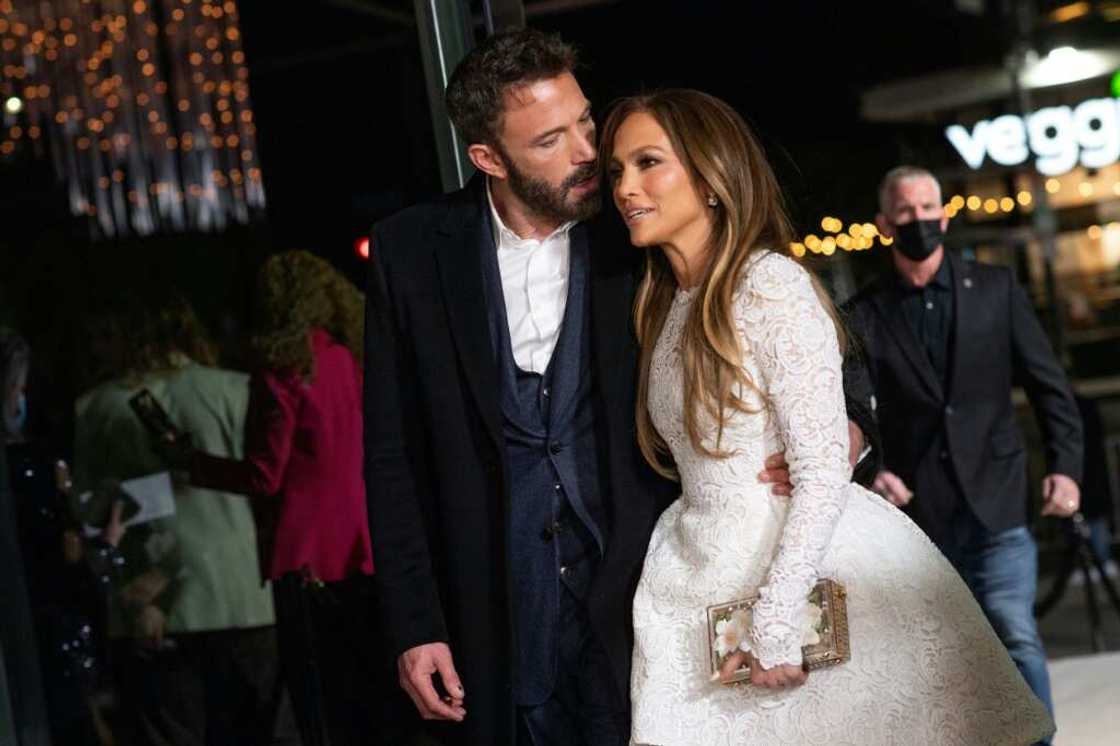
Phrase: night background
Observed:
(345, 137)
(334, 132)
(345, 133)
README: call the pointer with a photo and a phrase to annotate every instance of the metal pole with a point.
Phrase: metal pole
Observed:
(445, 38)
(1045, 222)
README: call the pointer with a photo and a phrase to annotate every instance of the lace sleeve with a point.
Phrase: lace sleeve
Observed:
(793, 340)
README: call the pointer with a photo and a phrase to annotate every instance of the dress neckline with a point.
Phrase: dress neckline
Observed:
(683, 296)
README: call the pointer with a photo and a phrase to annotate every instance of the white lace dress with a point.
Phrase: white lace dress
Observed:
(926, 666)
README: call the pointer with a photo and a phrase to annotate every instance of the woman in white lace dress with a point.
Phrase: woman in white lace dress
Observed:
(741, 358)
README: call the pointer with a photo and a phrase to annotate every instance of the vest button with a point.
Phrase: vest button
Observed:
(545, 392)
(549, 532)
(555, 448)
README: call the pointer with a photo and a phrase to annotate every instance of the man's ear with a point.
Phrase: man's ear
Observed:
(488, 160)
(884, 225)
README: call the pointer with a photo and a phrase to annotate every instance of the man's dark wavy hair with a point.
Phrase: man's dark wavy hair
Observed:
(475, 95)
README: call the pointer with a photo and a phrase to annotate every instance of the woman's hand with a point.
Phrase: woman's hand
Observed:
(115, 529)
(177, 452)
(145, 588)
(779, 677)
(734, 662)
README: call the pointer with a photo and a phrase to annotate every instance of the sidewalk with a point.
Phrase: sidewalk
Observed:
(1087, 699)
(1086, 686)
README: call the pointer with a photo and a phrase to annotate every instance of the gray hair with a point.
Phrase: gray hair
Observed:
(896, 176)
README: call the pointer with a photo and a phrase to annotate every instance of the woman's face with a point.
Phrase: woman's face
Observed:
(653, 191)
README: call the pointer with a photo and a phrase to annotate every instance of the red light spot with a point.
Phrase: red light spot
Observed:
(361, 248)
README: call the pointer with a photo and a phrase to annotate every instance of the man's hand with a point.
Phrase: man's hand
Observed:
(1061, 497)
(893, 489)
(855, 443)
(776, 470)
(415, 667)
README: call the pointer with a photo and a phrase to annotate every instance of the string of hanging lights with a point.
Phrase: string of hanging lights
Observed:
(142, 106)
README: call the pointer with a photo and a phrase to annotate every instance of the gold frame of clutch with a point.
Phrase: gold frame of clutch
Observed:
(833, 649)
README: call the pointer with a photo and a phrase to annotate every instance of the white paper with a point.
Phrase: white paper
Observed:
(153, 493)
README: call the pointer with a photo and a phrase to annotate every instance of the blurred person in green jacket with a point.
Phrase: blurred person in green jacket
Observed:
(192, 620)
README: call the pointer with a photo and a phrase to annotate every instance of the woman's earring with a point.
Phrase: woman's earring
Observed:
(712, 201)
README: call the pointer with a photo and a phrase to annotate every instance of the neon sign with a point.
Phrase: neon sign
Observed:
(1059, 137)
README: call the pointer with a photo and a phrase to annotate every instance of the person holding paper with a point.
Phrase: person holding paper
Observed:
(192, 622)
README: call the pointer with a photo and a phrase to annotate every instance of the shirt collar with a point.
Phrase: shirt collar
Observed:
(942, 279)
(504, 238)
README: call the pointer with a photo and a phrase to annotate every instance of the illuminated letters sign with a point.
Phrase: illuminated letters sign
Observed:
(1059, 137)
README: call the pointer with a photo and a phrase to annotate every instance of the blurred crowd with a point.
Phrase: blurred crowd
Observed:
(198, 563)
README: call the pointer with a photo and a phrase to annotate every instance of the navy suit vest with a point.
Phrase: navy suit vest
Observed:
(557, 521)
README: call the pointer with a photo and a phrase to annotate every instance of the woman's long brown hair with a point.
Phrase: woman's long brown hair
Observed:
(723, 158)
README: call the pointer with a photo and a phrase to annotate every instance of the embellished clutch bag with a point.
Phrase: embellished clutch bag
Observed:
(825, 641)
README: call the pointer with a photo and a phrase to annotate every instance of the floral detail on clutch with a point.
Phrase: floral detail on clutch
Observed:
(732, 633)
(813, 623)
(824, 630)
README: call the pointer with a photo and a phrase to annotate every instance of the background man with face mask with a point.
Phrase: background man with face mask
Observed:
(943, 341)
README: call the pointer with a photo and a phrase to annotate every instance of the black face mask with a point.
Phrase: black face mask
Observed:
(919, 238)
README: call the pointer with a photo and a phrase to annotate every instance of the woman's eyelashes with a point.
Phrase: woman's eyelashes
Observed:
(614, 173)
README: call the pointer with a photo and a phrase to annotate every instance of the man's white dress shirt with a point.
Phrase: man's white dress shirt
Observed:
(535, 285)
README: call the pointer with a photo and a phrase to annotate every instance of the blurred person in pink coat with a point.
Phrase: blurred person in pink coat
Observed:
(303, 471)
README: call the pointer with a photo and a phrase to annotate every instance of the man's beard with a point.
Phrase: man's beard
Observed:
(550, 201)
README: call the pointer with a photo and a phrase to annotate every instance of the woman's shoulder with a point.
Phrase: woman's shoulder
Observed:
(331, 352)
(770, 275)
(209, 376)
